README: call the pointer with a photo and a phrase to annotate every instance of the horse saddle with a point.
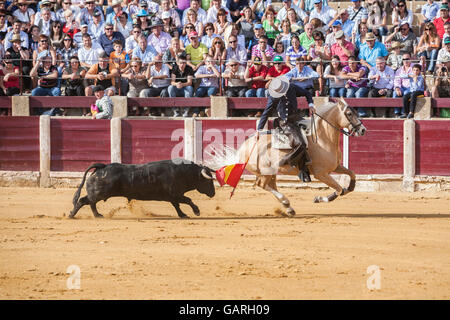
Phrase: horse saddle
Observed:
(280, 140)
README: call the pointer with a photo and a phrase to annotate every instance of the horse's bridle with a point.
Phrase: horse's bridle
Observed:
(354, 127)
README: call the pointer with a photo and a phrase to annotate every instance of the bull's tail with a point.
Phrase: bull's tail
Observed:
(78, 192)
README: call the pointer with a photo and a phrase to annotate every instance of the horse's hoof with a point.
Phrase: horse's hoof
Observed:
(184, 217)
(317, 199)
(98, 216)
(290, 212)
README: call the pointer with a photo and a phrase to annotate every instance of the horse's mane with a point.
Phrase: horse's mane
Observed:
(326, 107)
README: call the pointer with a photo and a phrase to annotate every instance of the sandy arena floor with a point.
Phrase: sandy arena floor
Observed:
(237, 249)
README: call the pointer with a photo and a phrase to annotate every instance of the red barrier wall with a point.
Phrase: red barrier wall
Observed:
(380, 151)
(152, 140)
(77, 143)
(433, 147)
(19, 143)
(232, 133)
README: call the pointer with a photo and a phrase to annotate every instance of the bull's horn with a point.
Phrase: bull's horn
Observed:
(206, 175)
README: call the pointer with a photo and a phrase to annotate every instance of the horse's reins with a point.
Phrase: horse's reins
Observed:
(313, 125)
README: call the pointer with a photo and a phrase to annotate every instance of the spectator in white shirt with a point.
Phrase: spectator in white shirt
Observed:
(38, 16)
(24, 14)
(287, 4)
(236, 51)
(89, 52)
(144, 52)
(201, 14)
(165, 7)
(97, 28)
(132, 41)
(16, 29)
(324, 13)
(211, 14)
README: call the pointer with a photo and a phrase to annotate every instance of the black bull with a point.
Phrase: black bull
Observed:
(166, 180)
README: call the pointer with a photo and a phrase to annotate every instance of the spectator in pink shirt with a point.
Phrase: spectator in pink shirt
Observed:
(342, 48)
(401, 80)
(263, 50)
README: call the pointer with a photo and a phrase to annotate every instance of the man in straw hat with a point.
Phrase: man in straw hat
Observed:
(21, 56)
(371, 50)
(282, 96)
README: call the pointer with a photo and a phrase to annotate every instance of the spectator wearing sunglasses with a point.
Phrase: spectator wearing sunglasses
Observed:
(97, 27)
(9, 79)
(235, 51)
(208, 38)
(107, 39)
(24, 13)
(137, 79)
(401, 14)
(235, 72)
(405, 36)
(185, 41)
(88, 13)
(263, 51)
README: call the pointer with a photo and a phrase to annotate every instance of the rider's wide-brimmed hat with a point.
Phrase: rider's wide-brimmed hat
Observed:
(278, 87)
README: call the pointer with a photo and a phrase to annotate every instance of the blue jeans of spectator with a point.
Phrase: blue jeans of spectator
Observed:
(204, 91)
(40, 91)
(354, 92)
(337, 92)
(431, 57)
(404, 91)
(252, 93)
(186, 92)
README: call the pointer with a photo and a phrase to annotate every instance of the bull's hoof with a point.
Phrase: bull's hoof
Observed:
(98, 216)
(317, 199)
(196, 210)
(71, 216)
(183, 216)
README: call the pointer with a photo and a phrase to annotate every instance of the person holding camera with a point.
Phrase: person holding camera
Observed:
(441, 85)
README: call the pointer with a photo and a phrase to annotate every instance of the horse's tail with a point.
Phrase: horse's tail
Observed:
(78, 192)
(222, 156)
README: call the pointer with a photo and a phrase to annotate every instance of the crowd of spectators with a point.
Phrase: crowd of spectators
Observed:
(193, 48)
